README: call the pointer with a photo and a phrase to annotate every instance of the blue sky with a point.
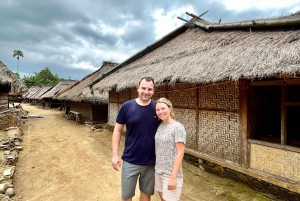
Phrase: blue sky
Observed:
(73, 38)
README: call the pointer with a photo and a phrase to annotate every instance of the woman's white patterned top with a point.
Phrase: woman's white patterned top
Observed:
(166, 137)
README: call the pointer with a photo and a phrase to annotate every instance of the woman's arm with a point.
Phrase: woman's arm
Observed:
(177, 163)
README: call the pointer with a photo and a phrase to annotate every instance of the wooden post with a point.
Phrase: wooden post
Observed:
(244, 122)
(283, 115)
(197, 117)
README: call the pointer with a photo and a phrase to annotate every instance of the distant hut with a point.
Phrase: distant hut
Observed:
(31, 92)
(79, 97)
(48, 97)
(10, 85)
(36, 98)
(236, 89)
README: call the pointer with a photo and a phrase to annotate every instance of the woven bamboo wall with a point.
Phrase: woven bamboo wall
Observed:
(275, 161)
(219, 121)
(187, 117)
(3, 99)
(112, 113)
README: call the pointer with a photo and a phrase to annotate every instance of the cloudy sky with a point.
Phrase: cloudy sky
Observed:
(73, 38)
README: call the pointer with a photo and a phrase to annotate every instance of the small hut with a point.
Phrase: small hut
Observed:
(31, 92)
(36, 98)
(236, 89)
(48, 96)
(10, 85)
(79, 97)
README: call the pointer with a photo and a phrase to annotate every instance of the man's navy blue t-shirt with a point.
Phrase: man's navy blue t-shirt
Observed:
(141, 124)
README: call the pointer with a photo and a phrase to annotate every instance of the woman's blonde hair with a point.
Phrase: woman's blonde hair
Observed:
(168, 103)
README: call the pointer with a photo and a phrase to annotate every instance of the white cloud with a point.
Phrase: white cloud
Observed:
(167, 22)
(257, 4)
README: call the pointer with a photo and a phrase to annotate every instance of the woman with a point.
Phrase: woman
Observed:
(170, 140)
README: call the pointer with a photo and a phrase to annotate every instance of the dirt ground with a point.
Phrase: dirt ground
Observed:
(63, 161)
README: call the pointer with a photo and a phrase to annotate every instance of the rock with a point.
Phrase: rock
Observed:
(10, 192)
(3, 187)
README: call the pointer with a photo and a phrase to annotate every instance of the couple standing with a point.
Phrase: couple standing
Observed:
(150, 129)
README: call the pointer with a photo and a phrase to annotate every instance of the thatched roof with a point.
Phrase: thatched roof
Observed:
(32, 91)
(80, 92)
(42, 91)
(201, 52)
(63, 84)
(7, 77)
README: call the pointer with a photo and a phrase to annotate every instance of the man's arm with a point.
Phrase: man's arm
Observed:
(116, 160)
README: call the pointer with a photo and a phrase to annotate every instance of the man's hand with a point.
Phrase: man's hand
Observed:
(116, 162)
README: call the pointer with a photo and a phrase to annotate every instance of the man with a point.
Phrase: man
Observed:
(141, 122)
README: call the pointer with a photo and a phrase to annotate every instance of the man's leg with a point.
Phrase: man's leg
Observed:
(144, 197)
(146, 182)
(129, 177)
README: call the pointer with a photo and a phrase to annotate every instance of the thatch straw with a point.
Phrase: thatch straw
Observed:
(7, 77)
(198, 56)
(80, 92)
(63, 84)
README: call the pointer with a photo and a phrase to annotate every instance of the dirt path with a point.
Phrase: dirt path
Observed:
(62, 161)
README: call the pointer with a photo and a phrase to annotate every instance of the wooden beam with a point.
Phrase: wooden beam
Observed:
(293, 82)
(182, 19)
(197, 117)
(297, 104)
(244, 127)
(203, 13)
(283, 115)
(267, 83)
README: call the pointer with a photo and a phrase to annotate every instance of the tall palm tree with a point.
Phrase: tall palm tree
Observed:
(18, 54)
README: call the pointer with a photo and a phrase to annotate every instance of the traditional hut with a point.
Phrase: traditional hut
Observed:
(48, 96)
(10, 85)
(31, 92)
(36, 98)
(236, 89)
(79, 97)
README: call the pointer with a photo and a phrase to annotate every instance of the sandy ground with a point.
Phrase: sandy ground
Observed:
(63, 161)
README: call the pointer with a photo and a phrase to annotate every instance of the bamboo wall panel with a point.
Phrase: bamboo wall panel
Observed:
(188, 119)
(222, 96)
(125, 96)
(134, 93)
(113, 111)
(84, 108)
(219, 130)
(275, 161)
(113, 96)
(219, 135)
(156, 96)
(4, 99)
(183, 98)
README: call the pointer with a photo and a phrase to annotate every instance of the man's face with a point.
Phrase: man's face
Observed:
(145, 90)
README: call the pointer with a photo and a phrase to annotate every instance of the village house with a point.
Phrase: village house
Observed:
(80, 99)
(10, 85)
(236, 89)
(31, 92)
(47, 97)
(36, 98)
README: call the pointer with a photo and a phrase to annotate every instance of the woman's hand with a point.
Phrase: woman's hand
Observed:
(172, 183)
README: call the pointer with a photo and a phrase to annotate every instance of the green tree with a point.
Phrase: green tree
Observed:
(31, 80)
(47, 78)
(18, 54)
(17, 74)
(42, 78)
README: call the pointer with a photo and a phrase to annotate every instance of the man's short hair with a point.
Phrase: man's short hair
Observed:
(147, 79)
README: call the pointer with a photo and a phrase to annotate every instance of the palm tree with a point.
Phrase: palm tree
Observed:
(18, 54)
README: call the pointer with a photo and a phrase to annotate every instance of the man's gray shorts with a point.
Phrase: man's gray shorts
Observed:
(131, 173)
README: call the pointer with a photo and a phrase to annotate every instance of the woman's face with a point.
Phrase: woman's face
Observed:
(163, 111)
